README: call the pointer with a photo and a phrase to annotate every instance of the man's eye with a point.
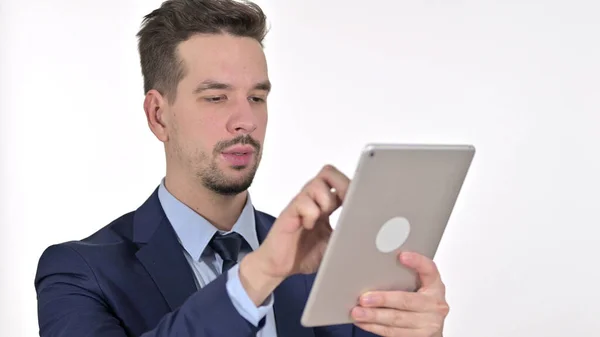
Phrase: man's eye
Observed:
(214, 99)
(257, 99)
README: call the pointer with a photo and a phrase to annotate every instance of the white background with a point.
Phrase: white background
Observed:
(518, 79)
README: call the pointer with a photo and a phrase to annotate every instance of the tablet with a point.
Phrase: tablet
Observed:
(400, 199)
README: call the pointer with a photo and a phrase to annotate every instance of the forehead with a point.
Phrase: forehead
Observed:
(239, 61)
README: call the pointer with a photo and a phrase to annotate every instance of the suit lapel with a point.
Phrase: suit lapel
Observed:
(290, 296)
(160, 253)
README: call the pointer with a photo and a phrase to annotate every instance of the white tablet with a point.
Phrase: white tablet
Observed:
(400, 199)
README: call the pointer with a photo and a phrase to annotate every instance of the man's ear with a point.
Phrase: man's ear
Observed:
(155, 107)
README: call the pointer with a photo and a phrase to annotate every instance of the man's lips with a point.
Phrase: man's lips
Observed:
(239, 155)
(239, 149)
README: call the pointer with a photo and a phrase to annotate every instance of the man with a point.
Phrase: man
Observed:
(196, 259)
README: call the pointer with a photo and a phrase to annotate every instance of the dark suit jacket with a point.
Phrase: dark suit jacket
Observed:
(131, 279)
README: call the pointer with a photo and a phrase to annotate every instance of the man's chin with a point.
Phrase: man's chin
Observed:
(227, 179)
(230, 188)
(230, 182)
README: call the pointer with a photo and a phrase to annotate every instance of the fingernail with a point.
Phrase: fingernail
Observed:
(406, 257)
(370, 299)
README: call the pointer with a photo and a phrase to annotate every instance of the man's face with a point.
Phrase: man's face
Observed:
(217, 123)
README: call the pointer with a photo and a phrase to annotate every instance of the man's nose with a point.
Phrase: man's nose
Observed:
(243, 120)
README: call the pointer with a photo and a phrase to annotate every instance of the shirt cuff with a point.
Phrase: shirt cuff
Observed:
(242, 302)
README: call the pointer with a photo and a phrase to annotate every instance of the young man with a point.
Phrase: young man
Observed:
(196, 259)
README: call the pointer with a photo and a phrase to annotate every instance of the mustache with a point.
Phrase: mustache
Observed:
(241, 140)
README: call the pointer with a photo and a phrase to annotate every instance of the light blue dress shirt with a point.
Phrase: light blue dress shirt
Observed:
(194, 233)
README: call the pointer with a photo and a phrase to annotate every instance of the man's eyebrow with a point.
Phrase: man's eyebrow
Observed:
(266, 86)
(214, 85)
(210, 84)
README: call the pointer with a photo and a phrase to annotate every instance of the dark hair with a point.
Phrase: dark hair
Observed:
(178, 20)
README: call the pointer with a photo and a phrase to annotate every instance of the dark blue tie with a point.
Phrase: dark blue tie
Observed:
(228, 247)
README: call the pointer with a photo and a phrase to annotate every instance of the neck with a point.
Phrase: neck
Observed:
(220, 210)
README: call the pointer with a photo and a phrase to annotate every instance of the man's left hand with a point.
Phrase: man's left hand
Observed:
(406, 314)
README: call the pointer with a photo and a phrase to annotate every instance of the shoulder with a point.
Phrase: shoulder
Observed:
(78, 255)
(118, 231)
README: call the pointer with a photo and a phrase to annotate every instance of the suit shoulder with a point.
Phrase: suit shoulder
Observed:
(78, 256)
(118, 232)
(61, 258)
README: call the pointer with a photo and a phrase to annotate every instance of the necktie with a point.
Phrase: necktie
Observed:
(228, 247)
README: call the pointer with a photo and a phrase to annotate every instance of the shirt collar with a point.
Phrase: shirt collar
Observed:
(195, 232)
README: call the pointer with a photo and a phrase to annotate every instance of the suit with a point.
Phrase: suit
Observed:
(131, 279)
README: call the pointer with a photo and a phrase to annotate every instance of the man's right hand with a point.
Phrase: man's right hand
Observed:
(297, 241)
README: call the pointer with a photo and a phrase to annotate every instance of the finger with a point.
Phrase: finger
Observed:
(336, 179)
(384, 330)
(399, 300)
(426, 269)
(389, 317)
(307, 210)
(319, 191)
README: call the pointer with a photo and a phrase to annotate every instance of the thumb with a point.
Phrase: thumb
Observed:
(426, 269)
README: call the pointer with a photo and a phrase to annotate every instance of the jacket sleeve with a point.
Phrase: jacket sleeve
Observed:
(344, 330)
(71, 304)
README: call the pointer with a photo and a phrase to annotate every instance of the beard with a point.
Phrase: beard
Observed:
(217, 181)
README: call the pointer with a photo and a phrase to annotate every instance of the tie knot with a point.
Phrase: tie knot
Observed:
(228, 247)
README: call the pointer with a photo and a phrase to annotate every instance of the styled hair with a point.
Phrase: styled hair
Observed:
(176, 21)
